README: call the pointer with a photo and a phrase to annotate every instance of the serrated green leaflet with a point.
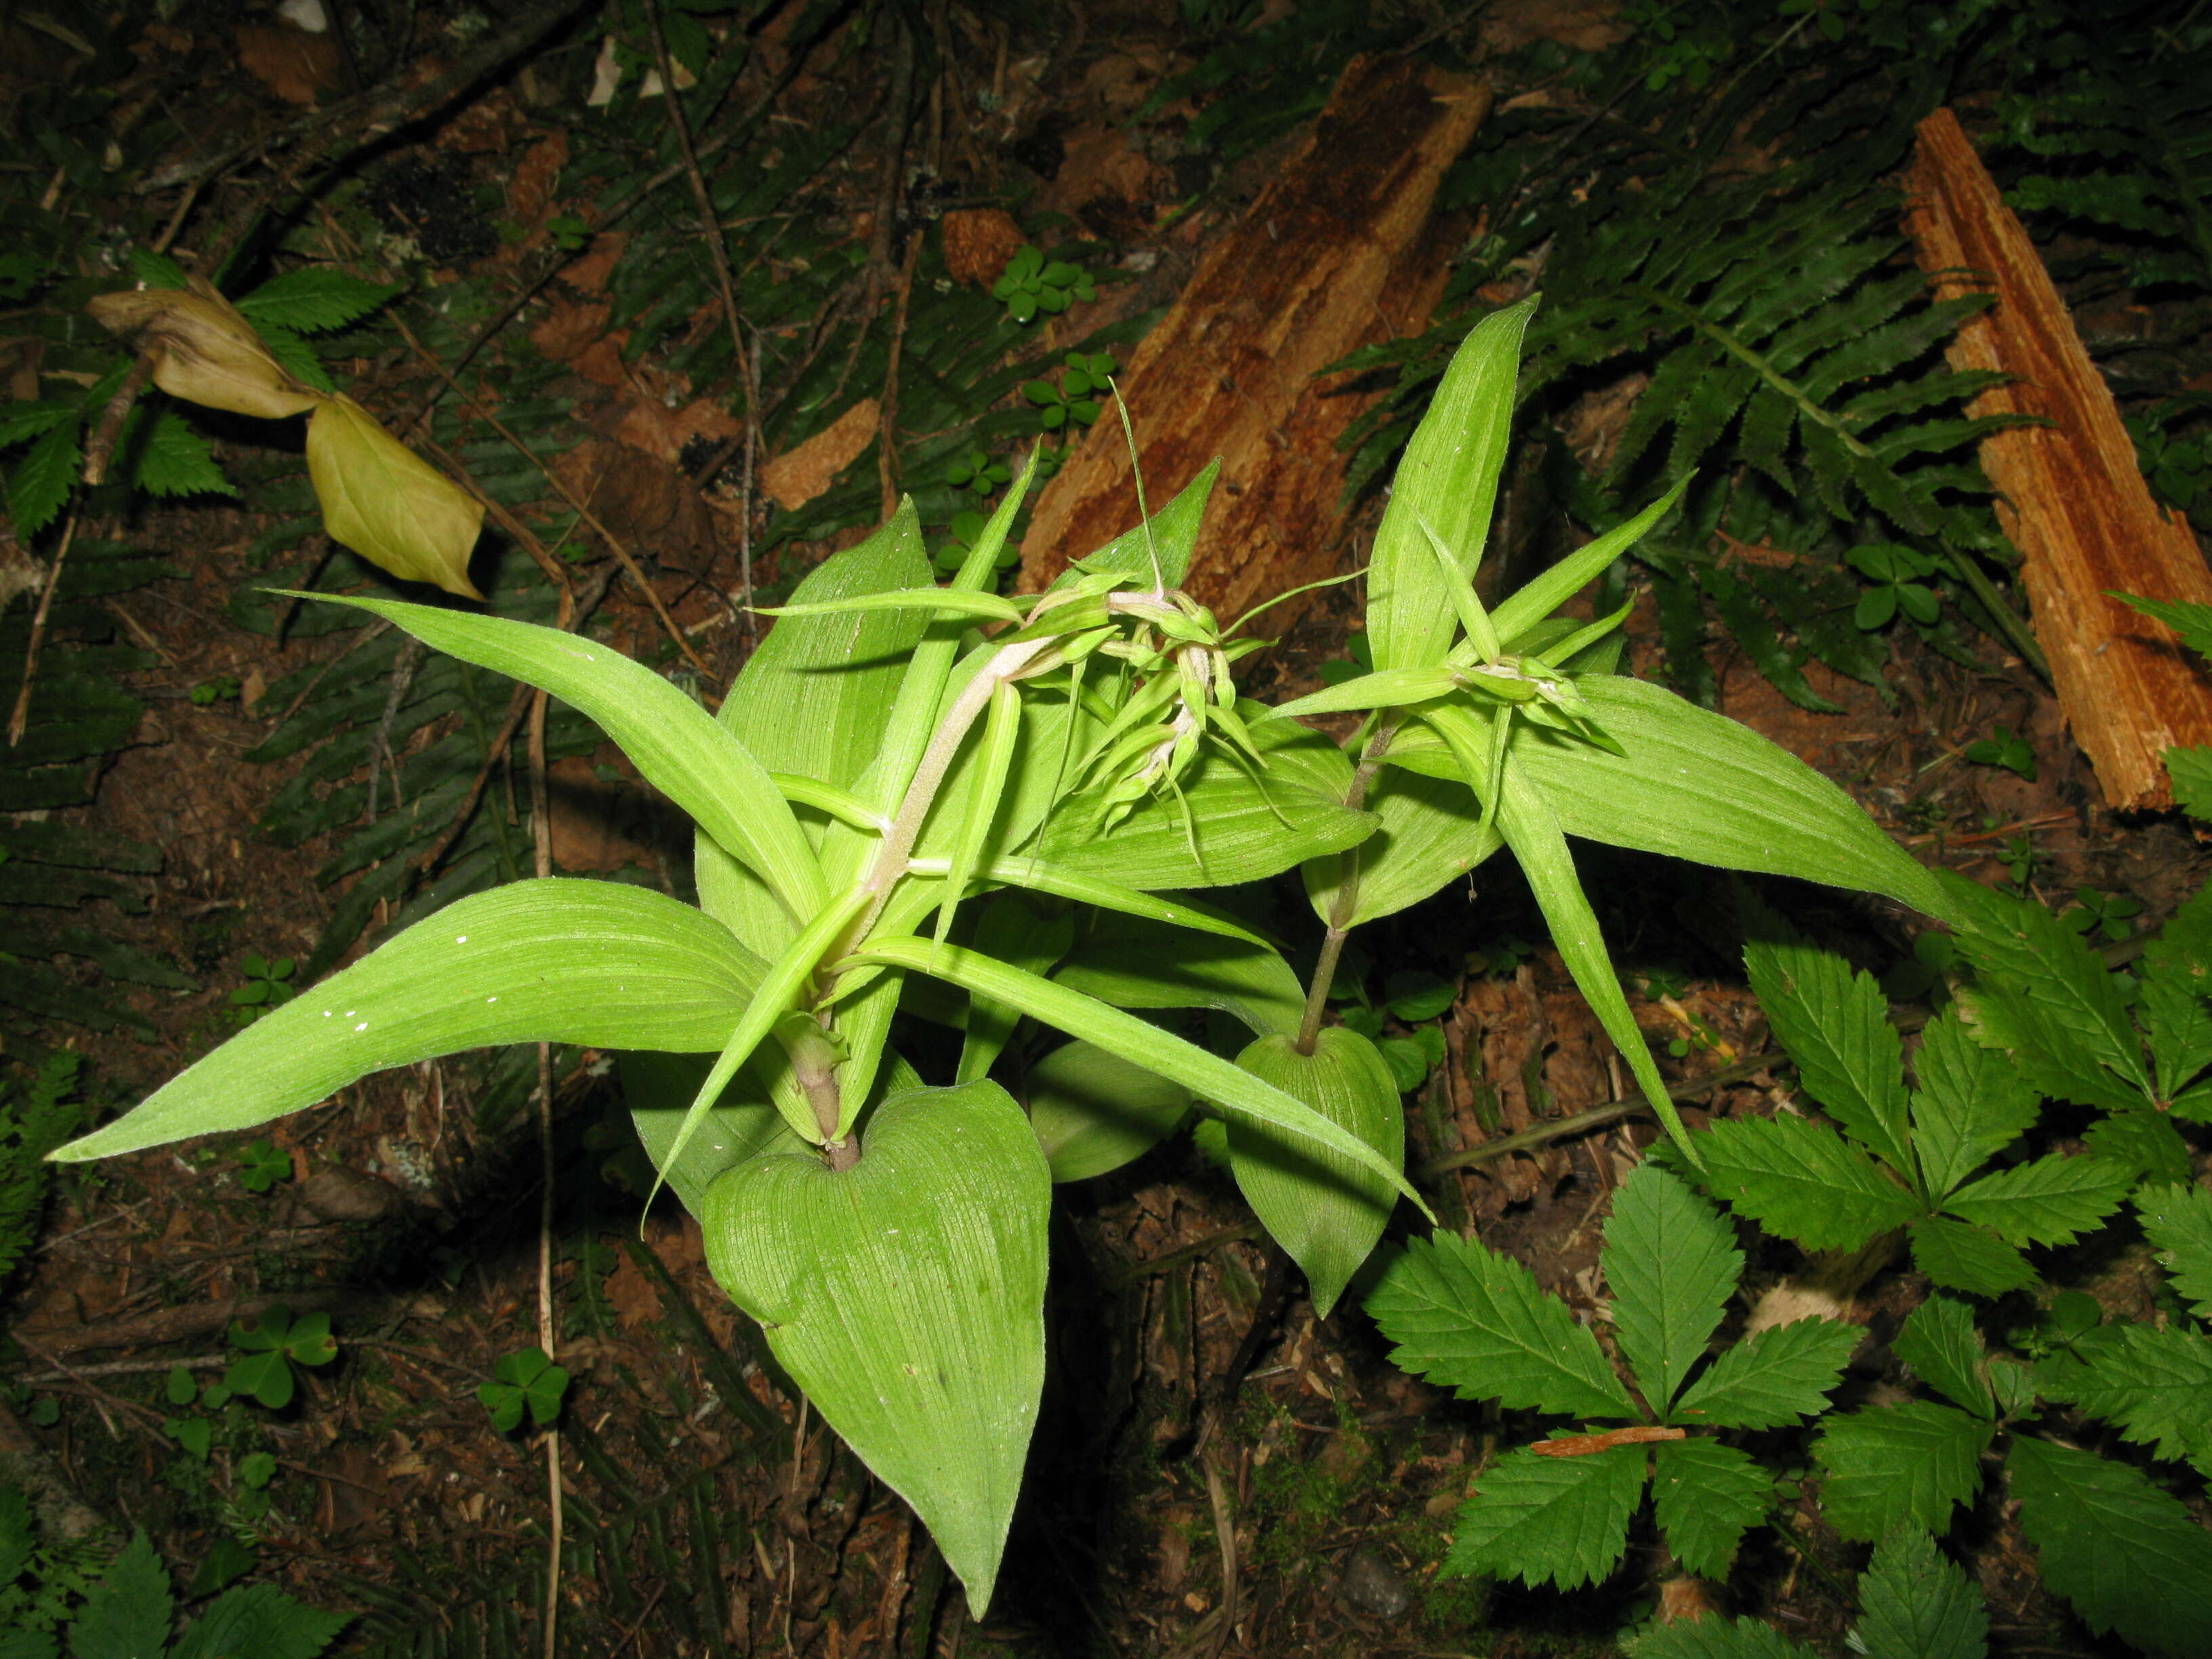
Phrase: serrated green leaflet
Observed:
(1835, 1023)
(1915, 1604)
(2051, 1200)
(1939, 1343)
(1895, 1465)
(2178, 1221)
(1706, 1496)
(1474, 1321)
(1672, 1265)
(2129, 1557)
(1803, 1181)
(1558, 1520)
(1971, 1102)
(1773, 1377)
(906, 1295)
(2154, 1386)
(1970, 1258)
(556, 961)
(2057, 999)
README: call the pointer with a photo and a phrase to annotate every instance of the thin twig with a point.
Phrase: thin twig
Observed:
(709, 223)
(130, 1368)
(19, 719)
(887, 453)
(515, 527)
(541, 836)
(1542, 1134)
(557, 260)
(517, 707)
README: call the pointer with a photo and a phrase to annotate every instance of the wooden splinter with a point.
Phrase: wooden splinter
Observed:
(2072, 499)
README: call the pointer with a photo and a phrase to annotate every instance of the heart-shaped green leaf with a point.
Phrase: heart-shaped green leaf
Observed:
(906, 1295)
(1094, 1111)
(1324, 1209)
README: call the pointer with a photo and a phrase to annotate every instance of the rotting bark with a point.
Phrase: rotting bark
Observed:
(1341, 249)
(2071, 496)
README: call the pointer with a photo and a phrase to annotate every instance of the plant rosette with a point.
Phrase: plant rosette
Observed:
(1003, 832)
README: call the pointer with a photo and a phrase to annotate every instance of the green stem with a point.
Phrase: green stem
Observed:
(1348, 887)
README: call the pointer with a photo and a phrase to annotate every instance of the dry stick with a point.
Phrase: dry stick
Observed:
(97, 453)
(541, 836)
(1597, 1117)
(517, 707)
(344, 129)
(19, 719)
(887, 432)
(709, 223)
(558, 258)
(514, 526)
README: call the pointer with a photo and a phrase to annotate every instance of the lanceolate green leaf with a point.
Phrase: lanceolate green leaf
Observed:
(1525, 819)
(1041, 876)
(814, 697)
(906, 1295)
(1531, 605)
(1446, 484)
(1430, 836)
(1243, 833)
(585, 962)
(660, 1089)
(1132, 965)
(1696, 785)
(1672, 1265)
(675, 744)
(1174, 537)
(1093, 1111)
(1470, 1319)
(775, 996)
(1208, 1076)
(930, 601)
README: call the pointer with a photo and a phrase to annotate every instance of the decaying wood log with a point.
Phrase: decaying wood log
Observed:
(2073, 500)
(1342, 249)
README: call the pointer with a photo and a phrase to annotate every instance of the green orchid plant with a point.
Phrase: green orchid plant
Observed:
(897, 809)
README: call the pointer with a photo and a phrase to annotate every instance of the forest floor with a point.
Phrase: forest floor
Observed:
(1219, 1471)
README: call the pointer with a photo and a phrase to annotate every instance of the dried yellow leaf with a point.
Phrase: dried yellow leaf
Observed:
(205, 351)
(388, 504)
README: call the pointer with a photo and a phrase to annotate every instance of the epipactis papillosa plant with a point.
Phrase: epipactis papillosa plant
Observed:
(890, 804)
